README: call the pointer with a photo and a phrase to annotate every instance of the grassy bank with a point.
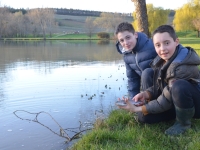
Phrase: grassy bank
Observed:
(60, 37)
(120, 131)
(192, 42)
(186, 37)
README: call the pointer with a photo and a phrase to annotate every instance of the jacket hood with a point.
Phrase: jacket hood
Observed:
(141, 40)
(120, 49)
(192, 57)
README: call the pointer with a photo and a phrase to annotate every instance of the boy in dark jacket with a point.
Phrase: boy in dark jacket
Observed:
(176, 87)
(138, 52)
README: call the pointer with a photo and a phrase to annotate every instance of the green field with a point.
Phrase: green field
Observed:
(70, 24)
(191, 42)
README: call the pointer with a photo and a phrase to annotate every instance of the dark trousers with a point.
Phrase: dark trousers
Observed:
(184, 95)
(147, 78)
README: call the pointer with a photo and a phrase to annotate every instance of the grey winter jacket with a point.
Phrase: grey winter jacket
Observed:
(136, 61)
(182, 65)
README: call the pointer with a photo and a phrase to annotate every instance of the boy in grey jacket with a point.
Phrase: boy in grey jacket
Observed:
(138, 51)
(176, 87)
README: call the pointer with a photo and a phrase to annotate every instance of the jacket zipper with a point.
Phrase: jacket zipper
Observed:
(136, 61)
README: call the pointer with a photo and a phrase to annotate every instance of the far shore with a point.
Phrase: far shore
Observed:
(41, 39)
(84, 36)
(59, 37)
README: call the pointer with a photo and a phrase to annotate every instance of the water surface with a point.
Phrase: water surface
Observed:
(72, 81)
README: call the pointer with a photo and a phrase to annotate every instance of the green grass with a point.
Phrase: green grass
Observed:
(185, 37)
(187, 34)
(121, 132)
(192, 42)
(62, 36)
(76, 36)
(70, 23)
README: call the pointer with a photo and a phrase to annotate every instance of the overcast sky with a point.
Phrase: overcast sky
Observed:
(123, 6)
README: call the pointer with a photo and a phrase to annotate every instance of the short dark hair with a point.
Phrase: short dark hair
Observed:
(124, 26)
(166, 28)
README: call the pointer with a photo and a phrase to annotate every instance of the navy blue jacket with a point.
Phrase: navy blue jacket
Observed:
(137, 60)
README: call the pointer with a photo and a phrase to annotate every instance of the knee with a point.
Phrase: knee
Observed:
(181, 93)
(148, 72)
(179, 86)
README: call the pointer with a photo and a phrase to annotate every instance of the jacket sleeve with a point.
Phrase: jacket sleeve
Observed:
(184, 66)
(161, 104)
(133, 81)
(185, 72)
(154, 93)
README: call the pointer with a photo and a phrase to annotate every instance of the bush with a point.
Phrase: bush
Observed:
(103, 35)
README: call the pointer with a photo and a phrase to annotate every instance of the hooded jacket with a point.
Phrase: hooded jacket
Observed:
(136, 61)
(182, 65)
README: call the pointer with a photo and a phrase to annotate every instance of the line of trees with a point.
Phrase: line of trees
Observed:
(187, 18)
(106, 22)
(76, 12)
(41, 21)
(156, 17)
(36, 22)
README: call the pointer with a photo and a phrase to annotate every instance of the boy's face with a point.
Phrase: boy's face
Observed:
(165, 45)
(127, 39)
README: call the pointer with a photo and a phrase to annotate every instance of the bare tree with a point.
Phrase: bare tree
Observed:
(3, 21)
(17, 23)
(196, 23)
(36, 22)
(89, 25)
(35, 29)
(41, 20)
(109, 21)
(50, 20)
(41, 16)
(25, 25)
(141, 15)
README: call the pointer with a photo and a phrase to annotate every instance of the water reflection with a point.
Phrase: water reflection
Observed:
(57, 51)
(104, 42)
(58, 77)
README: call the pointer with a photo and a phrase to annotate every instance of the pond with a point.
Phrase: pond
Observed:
(53, 85)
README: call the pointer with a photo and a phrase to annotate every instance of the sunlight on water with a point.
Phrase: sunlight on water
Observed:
(70, 91)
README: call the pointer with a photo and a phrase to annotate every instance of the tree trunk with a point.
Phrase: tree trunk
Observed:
(198, 33)
(141, 16)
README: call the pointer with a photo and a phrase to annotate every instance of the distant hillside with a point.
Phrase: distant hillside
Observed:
(71, 20)
(78, 12)
(72, 23)
(66, 11)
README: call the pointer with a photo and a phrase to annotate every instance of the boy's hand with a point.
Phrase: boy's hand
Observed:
(141, 97)
(129, 106)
